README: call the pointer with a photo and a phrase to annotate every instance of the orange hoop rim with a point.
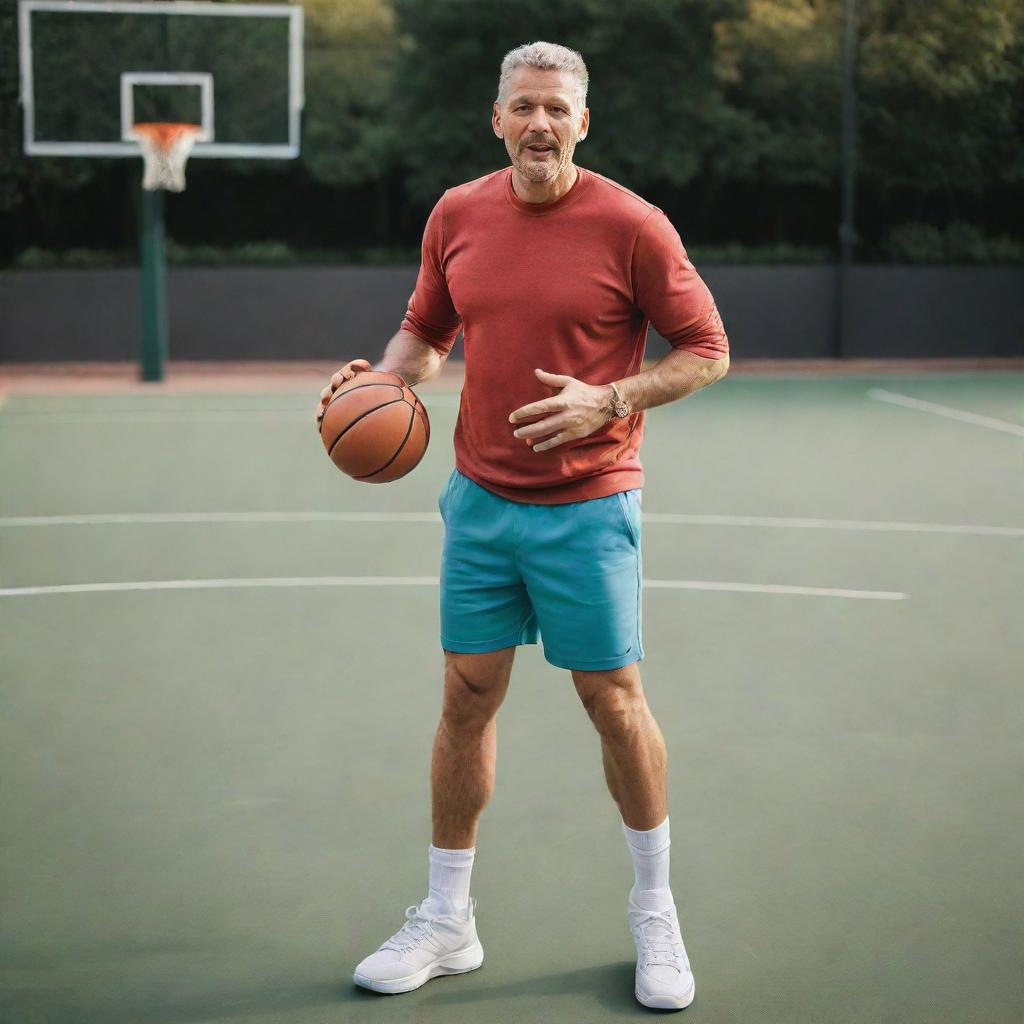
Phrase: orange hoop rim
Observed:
(164, 134)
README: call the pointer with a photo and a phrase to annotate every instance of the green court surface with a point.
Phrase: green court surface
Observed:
(215, 798)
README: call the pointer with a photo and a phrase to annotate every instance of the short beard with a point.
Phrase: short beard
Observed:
(535, 170)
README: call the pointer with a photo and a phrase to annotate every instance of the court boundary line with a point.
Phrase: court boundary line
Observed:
(419, 581)
(796, 522)
(657, 518)
(946, 411)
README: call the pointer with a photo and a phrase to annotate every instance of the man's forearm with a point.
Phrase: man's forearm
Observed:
(677, 375)
(411, 358)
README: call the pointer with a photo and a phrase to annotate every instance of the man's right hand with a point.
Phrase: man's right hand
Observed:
(347, 372)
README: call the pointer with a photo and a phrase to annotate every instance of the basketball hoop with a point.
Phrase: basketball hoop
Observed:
(165, 151)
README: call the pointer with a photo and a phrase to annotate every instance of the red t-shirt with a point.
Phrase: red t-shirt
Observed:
(568, 287)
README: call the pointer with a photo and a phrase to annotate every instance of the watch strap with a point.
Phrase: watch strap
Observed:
(620, 410)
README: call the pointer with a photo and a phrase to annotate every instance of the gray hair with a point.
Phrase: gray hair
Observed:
(545, 57)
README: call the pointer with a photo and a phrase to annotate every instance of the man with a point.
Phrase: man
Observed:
(553, 272)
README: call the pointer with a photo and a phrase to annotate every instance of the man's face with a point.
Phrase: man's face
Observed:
(540, 121)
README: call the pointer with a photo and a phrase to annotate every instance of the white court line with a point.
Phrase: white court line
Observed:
(946, 411)
(775, 588)
(419, 581)
(146, 518)
(253, 800)
(151, 518)
(221, 584)
(829, 524)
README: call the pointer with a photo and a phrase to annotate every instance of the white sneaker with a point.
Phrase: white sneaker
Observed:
(663, 976)
(428, 944)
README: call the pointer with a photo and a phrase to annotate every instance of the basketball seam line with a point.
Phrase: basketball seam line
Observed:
(398, 451)
(421, 409)
(372, 384)
(362, 415)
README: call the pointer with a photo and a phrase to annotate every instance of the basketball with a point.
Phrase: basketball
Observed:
(375, 428)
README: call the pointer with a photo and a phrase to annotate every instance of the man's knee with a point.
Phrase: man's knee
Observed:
(614, 700)
(474, 687)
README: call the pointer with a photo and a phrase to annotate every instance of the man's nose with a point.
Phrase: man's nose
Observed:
(539, 123)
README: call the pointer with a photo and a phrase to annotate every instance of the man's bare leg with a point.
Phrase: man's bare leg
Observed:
(465, 747)
(635, 767)
(462, 779)
(632, 746)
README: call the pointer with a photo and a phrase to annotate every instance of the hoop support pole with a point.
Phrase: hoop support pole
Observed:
(153, 343)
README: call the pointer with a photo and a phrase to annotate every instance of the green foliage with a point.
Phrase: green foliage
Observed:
(653, 98)
(941, 94)
(351, 51)
(252, 254)
(959, 243)
(779, 64)
(939, 87)
(36, 258)
(737, 254)
(280, 254)
(717, 106)
(10, 122)
(655, 104)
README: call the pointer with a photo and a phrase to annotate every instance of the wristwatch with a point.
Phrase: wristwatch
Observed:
(619, 408)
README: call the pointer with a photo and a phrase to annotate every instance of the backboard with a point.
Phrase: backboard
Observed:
(90, 70)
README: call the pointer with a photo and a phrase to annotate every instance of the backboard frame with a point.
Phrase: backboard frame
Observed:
(181, 8)
(200, 79)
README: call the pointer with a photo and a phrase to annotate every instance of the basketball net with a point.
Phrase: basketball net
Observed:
(165, 151)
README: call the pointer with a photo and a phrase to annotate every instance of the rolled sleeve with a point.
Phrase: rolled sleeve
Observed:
(672, 295)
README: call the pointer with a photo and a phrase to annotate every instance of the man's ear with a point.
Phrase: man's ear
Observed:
(584, 123)
(496, 121)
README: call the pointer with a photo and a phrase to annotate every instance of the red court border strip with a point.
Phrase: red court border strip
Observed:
(311, 376)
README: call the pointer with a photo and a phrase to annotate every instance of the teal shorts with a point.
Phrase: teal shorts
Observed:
(569, 575)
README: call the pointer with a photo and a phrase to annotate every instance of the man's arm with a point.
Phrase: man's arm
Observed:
(431, 323)
(406, 354)
(579, 409)
(411, 358)
(675, 376)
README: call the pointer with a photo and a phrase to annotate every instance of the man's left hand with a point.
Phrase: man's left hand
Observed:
(576, 411)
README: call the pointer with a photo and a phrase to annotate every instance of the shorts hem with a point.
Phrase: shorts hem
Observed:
(485, 646)
(598, 665)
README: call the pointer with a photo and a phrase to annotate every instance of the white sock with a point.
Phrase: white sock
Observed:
(449, 875)
(650, 863)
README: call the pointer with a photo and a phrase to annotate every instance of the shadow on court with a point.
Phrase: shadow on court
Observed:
(607, 986)
(566, 995)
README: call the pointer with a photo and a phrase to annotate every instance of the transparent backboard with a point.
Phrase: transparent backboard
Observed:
(91, 70)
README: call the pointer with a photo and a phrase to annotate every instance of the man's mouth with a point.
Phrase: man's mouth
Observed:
(540, 148)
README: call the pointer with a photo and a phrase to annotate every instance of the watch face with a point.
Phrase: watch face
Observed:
(621, 410)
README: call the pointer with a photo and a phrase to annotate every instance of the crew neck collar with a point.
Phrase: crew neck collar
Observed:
(579, 186)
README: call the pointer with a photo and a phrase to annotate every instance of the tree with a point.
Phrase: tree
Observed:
(351, 50)
(940, 96)
(780, 67)
(940, 87)
(653, 96)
